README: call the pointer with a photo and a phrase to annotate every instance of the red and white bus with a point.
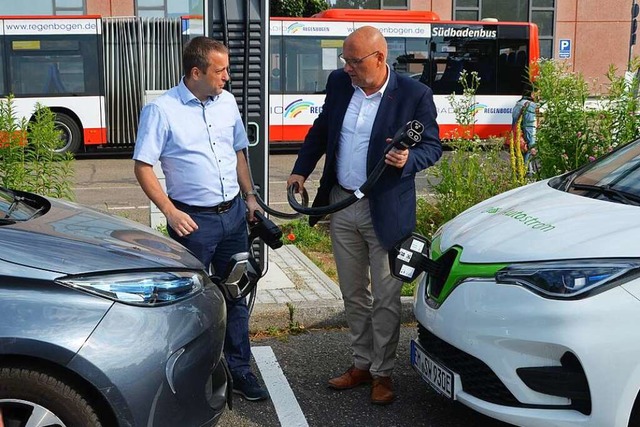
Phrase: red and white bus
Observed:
(304, 51)
(94, 73)
(56, 61)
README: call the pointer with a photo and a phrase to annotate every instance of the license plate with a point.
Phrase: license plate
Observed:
(437, 376)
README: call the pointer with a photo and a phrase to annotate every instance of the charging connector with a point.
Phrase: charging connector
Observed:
(265, 229)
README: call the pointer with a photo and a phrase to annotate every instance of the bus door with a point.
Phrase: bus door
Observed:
(276, 79)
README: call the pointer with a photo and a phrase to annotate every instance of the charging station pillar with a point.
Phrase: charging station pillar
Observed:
(243, 26)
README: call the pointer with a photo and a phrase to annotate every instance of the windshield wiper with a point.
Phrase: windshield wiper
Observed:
(611, 193)
(17, 200)
(14, 204)
(36, 213)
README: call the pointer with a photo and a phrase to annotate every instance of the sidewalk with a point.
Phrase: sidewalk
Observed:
(293, 280)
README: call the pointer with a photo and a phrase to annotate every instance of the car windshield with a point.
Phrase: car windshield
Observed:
(18, 206)
(614, 177)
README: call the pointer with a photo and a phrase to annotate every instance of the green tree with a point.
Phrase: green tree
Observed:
(571, 131)
(296, 8)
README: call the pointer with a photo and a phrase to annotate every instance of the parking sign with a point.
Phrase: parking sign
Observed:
(564, 48)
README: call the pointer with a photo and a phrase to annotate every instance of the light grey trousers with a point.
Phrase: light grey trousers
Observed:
(371, 295)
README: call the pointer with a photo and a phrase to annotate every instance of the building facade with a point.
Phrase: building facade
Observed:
(144, 8)
(590, 35)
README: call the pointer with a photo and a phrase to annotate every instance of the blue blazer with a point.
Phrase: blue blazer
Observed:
(392, 199)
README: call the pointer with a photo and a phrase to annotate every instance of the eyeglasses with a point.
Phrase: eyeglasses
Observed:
(354, 62)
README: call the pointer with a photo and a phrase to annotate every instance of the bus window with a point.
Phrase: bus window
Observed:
(408, 55)
(513, 59)
(456, 48)
(275, 76)
(308, 62)
(50, 66)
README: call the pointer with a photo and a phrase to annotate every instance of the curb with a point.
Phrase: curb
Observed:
(310, 314)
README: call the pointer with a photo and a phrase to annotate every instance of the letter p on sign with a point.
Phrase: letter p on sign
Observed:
(564, 48)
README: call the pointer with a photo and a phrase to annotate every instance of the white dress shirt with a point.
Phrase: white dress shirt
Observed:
(196, 143)
(354, 137)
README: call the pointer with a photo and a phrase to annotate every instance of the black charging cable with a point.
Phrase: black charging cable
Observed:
(267, 208)
(406, 137)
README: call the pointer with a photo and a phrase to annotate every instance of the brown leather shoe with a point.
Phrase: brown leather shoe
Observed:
(382, 391)
(350, 379)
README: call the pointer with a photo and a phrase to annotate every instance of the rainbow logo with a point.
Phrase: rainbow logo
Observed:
(297, 107)
(294, 28)
(476, 108)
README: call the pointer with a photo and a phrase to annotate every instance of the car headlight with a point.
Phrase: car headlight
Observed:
(571, 278)
(141, 288)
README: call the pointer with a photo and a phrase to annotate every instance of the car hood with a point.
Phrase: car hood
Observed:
(538, 222)
(73, 239)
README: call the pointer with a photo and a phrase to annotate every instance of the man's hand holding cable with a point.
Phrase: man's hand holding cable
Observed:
(296, 179)
(396, 158)
(252, 206)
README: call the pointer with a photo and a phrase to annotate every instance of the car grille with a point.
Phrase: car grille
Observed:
(436, 282)
(477, 378)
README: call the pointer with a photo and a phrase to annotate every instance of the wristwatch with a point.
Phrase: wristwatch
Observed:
(249, 193)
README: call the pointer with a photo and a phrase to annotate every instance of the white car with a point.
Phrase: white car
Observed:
(531, 311)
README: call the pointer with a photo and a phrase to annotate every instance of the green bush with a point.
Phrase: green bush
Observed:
(570, 133)
(28, 161)
(468, 175)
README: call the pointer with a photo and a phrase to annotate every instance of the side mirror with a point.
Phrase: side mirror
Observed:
(240, 277)
(408, 257)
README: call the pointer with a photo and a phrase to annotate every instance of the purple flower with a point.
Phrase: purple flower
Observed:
(591, 158)
(579, 134)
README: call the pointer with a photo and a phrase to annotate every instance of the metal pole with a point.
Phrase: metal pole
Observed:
(633, 28)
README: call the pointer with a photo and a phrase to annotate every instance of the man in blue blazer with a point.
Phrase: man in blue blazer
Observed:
(366, 104)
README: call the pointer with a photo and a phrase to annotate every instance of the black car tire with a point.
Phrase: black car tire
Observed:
(26, 391)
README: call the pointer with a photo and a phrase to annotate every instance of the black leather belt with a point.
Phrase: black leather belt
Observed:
(218, 209)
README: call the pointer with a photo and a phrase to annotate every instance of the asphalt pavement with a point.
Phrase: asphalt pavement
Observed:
(296, 367)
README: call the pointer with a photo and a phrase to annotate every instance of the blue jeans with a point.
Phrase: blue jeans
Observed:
(218, 237)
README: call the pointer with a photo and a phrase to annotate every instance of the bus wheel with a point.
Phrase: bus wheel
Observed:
(70, 137)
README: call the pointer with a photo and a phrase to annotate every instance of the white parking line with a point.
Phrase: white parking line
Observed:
(126, 208)
(282, 397)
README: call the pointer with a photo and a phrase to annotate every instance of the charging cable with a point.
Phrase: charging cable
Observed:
(406, 137)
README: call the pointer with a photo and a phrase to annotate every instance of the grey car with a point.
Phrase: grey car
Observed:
(104, 322)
